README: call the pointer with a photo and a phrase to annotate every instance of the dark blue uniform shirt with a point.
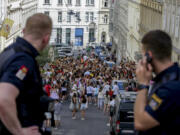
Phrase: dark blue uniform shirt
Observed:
(22, 71)
(164, 103)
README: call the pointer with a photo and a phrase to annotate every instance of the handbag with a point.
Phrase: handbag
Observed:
(71, 106)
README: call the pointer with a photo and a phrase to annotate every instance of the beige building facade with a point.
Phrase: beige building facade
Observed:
(18, 11)
(171, 24)
(133, 39)
(118, 28)
(144, 16)
(103, 29)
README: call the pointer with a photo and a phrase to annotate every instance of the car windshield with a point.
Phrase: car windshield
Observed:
(122, 85)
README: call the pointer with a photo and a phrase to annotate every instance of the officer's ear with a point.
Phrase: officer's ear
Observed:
(46, 39)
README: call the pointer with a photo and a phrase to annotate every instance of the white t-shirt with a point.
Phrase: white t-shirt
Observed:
(89, 90)
(106, 87)
(85, 58)
(64, 89)
(54, 82)
(112, 103)
(100, 95)
(115, 89)
(48, 74)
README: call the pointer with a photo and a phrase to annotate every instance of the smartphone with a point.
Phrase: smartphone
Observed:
(148, 58)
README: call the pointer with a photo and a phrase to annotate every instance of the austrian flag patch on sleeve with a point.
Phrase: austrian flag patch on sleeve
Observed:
(22, 72)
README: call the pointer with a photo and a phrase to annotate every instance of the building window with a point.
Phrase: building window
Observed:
(78, 2)
(68, 17)
(106, 3)
(59, 16)
(79, 36)
(90, 2)
(91, 35)
(106, 19)
(68, 36)
(46, 13)
(69, 2)
(60, 2)
(59, 35)
(103, 37)
(87, 16)
(91, 16)
(46, 1)
(78, 16)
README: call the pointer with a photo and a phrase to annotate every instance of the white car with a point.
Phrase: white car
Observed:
(93, 44)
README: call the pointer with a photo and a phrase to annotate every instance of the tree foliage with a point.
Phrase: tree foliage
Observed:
(43, 58)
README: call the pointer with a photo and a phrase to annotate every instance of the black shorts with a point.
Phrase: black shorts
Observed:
(89, 95)
(111, 114)
(63, 93)
(112, 111)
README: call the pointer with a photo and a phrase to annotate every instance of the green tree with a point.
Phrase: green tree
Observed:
(43, 57)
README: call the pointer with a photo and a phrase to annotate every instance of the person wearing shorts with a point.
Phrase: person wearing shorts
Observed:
(89, 93)
(83, 107)
(48, 116)
(57, 113)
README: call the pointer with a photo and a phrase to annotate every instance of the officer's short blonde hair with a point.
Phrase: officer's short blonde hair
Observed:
(38, 25)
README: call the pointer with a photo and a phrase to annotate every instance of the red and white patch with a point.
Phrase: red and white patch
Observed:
(22, 72)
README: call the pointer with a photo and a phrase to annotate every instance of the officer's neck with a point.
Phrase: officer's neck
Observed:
(35, 43)
(161, 66)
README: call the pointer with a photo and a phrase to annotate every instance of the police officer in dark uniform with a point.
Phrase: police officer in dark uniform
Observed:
(21, 93)
(157, 110)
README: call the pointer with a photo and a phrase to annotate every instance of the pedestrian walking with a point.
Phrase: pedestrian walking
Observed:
(106, 102)
(83, 106)
(74, 105)
(57, 113)
(111, 109)
(100, 99)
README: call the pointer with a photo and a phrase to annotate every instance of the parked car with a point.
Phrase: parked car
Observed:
(66, 52)
(123, 119)
(93, 44)
(61, 54)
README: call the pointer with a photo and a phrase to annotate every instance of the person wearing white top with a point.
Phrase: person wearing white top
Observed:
(85, 58)
(115, 89)
(106, 88)
(89, 91)
(100, 99)
(112, 109)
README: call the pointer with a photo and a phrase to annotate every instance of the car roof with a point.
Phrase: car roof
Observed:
(119, 81)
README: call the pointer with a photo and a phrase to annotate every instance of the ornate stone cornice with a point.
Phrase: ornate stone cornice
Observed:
(153, 4)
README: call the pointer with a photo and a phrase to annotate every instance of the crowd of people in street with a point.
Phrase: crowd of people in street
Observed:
(83, 81)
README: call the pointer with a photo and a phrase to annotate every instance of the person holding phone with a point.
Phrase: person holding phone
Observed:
(157, 112)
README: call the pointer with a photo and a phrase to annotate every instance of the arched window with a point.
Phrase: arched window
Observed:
(106, 19)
